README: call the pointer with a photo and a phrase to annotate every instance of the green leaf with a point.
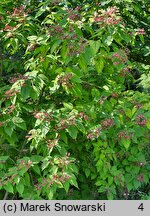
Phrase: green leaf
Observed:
(129, 112)
(19, 122)
(9, 188)
(87, 172)
(81, 127)
(45, 164)
(50, 194)
(125, 36)
(141, 38)
(76, 79)
(95, 93)
(17, 179)
(139, 131)
(22, 171)
(68, 105)
(74, 182)
(114, 171)
(45, 130)
(34, 93)
(36, 169)
(136, 184)
(27, 179)
(83, 63)
(110, 195)
(36, 158)
(134, 110)
(148, 124)
(94, 46)
(25, 92)
(73, 168)
(13, 139)
(32, 38)
(39, 13)
(20, 187)
(72, 132)
(130, 186)
(137, 8)
(109, 40)
(3, 158)
(108, 68)
(55, 46)
(99, 64)
(76, 91)
(54, 170)
(8, 130)
(126, 143)
(102, 189)
(27, 107)
(64, 137)
(66, 186)
(64, 52)
(110, 180)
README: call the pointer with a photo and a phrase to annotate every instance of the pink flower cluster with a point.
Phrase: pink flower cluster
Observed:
(10, 93)
(137, 105)
(107, 123)
(120, 57)
(64, 161)
(18, 76)
(20, 14)
(64, 178)
(1, 124)
(108, 17)
(65, 79)
(32, 47)
(52, 143)
(124, 134)
(45, 116)
(78, 8)
(141, 177)
(84, 116)
(17, 13)
(64, 123)
(94, 134)
(124, 72)
(56, 29)
(140, 164)
(140, 31)
(115, 95)
(140, 120)
(76, 44)
(8, 28)
(76, 47)
(10, 109)
(102, 99)
(19, 166)
(73, 15)
(47, 182)
(32, 134)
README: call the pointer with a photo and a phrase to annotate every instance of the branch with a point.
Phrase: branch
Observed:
(5, 196)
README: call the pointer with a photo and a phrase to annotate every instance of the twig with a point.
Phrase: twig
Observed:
(5, 196)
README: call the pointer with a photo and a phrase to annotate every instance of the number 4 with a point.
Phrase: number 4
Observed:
(141, 207)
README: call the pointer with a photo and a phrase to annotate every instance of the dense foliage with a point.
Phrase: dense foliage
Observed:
(74, 99)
